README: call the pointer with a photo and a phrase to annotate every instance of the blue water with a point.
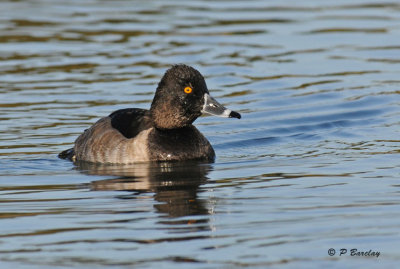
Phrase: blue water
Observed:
(312, 165)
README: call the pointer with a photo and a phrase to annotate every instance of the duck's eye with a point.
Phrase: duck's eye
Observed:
(188, 90)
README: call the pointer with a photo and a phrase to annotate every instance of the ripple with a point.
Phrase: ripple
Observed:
(348, 30)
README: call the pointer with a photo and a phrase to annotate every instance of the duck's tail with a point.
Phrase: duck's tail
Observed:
(67, 154)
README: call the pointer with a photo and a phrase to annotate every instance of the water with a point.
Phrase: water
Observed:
(312, 165)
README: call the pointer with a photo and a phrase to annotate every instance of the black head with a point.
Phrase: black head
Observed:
(181, 97)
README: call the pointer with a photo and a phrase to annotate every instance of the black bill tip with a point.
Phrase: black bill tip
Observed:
(234, 114)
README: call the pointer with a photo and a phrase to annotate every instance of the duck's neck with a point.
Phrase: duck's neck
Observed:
(171, 131)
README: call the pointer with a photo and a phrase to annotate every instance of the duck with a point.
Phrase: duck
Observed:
(165, 132)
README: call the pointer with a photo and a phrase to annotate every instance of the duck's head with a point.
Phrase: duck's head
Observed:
(181, 97)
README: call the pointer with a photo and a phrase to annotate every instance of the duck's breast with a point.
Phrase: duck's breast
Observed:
(179, 145)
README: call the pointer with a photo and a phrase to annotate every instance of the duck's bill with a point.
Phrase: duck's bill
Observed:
(211, 106)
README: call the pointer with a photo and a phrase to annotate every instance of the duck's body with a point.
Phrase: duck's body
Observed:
(163, 133)
(127, 136)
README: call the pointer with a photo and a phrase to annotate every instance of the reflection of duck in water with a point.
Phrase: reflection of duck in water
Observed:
(163, 133)
(175, 185)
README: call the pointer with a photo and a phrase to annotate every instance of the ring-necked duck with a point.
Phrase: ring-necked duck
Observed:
(163, 133)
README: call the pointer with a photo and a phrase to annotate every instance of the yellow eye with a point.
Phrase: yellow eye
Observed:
(188, 90)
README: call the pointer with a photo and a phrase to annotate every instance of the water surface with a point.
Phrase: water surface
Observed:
(313, 164)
